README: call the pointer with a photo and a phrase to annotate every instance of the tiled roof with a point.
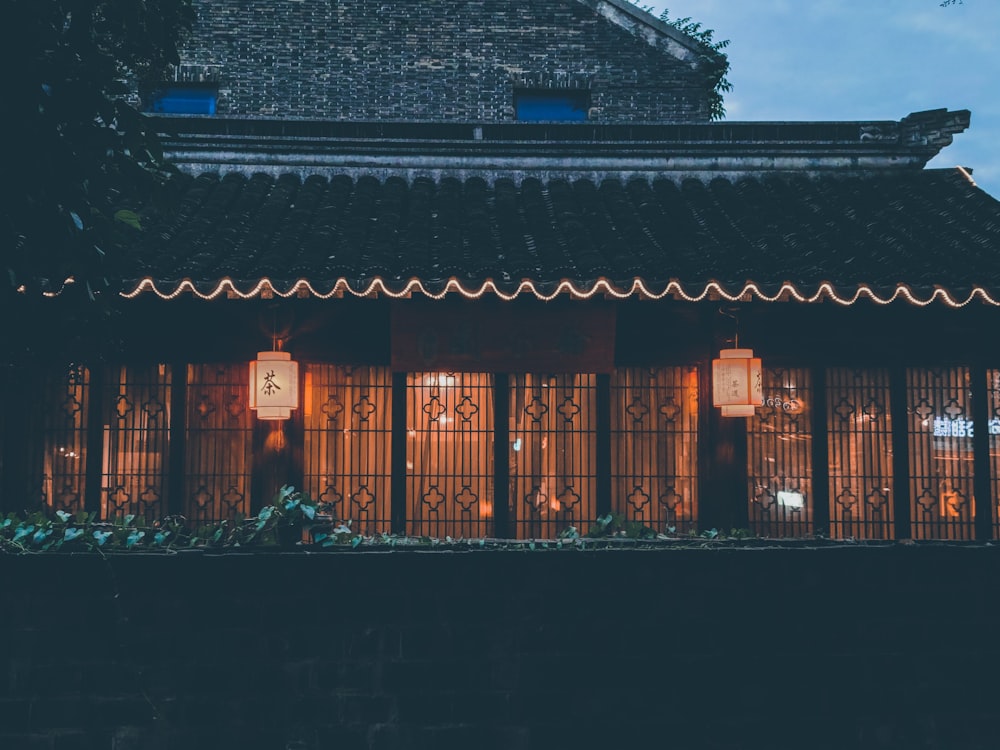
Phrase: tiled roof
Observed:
(920, 235)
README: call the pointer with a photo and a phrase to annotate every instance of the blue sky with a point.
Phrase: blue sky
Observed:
(863, 59)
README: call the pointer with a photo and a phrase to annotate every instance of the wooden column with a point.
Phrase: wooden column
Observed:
(982, 488)
(603, 467)
(93, 483)
(398, 461)
(722, 449)
(177, 439)
(501, 456)
(820, 455)
(900, 452)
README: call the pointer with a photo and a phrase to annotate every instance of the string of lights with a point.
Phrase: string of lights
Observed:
(713, 290)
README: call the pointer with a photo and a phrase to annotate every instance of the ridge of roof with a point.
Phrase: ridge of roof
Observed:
(647, 27)
(493, 150)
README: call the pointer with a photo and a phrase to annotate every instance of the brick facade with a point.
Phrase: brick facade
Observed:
(440, 60)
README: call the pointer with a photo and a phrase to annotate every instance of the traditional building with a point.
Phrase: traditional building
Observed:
(504, 243)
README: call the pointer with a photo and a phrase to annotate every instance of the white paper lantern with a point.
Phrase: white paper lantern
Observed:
(274, 385)
(737, 382)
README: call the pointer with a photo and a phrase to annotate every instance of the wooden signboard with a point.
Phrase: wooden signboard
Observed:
(492, 336)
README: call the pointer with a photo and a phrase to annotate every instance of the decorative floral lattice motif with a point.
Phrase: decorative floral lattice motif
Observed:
(637, 410)
(233, 500)
(432, 498)
(154, 408)
(638, 498)
(466, 498)
(332, 408)
(434, 409)
(123, 406)
(568, 409)
(204, 406)
(536, 409)
(362, 498)
(364, 408)
(466, 409)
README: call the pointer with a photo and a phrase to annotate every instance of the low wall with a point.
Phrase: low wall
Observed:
(841, 647)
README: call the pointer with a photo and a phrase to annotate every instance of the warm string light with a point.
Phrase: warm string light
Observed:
(601, 287)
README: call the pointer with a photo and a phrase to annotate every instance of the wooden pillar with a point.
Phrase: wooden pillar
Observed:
(900, 453)
(603, 466)
(820, 455)
(501, 456)
(982, 479)
(21, 436)
(277, 457)
(177, 439)
(722, 459)
(93, 482)
(398, 461)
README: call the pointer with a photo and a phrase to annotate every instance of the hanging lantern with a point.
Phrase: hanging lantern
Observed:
(737, 382)
(274, 385)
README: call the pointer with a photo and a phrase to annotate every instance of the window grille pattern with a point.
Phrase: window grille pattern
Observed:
(654, 444)
(347, 442)
(859, 452)
(449, 448)
(993, 411)
(218, 441)
(939, 439)
(779, 455)
(553, 425)
(136, 425)
(62, 412)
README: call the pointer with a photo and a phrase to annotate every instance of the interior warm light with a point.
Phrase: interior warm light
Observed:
(274, 385)
(307, 406)
(794, 500)
(737, 382)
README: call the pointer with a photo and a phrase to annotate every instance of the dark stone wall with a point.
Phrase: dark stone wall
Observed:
(431, 60)
(833, 648)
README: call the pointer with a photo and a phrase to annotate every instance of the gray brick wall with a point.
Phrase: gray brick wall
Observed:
(891, 647)
(435, 60)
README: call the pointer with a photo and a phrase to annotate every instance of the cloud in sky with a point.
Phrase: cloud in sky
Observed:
(856, 59)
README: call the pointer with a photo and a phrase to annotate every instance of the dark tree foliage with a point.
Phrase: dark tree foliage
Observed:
(80, 156)
(714, 61)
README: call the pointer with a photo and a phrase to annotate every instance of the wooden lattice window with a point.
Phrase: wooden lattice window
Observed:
(553, 457)
(347, 443)
(939, 438)
(136, 429)
(779, 455)
(218, 442)
(654, 446)
(859, 447)
(59, 470)
(449, 454)
(993, 426)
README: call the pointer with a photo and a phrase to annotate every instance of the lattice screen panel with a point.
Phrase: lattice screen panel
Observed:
(136, 429)
(654, 446)
(347, 415)
(219, 439)
(449, 445)
(553, 458)
(860, 453)
(779, 455)
(993, 426)
(939, 438)
(60, 469)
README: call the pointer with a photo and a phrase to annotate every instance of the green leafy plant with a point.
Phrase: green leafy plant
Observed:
(280, 523)
(616, 525)
(713, 61)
